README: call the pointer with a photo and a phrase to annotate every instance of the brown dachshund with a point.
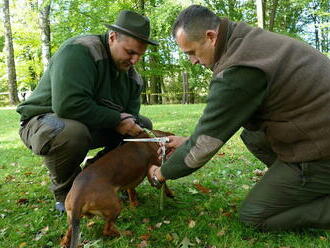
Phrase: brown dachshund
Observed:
(94, 191)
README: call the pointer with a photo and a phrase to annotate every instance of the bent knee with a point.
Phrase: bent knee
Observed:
(75, 136)
(253, 215)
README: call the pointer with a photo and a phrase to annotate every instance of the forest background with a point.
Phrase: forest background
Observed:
(32, 31)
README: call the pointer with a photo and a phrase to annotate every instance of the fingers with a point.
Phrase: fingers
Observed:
(127, 126)
(169, 152)
(175, 141)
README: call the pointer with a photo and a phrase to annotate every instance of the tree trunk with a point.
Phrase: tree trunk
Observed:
(10, 59)
(185, 88)
(155, 80)
(45, 32)
(272, 15)
(260, 13)
(316, 27)
(144, 98)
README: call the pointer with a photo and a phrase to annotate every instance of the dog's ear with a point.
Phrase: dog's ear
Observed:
(159, 133)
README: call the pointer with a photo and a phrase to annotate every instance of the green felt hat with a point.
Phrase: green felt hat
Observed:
(134, 25)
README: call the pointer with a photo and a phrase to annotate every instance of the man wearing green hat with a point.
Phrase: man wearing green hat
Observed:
(88, 97)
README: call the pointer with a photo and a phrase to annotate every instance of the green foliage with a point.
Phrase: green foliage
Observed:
(2, 43)
(195, 218)
(307, 20)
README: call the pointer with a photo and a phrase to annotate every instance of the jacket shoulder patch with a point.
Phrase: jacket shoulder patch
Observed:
(95, 46)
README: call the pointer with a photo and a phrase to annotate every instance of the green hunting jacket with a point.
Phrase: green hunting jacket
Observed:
(83, 84)
(262, 81)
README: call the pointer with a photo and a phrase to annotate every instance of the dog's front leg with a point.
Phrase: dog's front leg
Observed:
(132, 197)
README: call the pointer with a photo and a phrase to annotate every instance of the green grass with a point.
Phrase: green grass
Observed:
(192, 219)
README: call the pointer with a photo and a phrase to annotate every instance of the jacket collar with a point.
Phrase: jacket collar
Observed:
(221, 43)
(105, 41)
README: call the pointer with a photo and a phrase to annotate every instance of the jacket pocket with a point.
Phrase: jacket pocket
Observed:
(40, 131)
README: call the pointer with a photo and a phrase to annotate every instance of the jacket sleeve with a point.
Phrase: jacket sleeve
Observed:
(234, 95)
(73, 76)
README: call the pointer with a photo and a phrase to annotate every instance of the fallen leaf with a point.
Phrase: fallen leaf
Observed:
(166, 222)
(260, 173)
(222, 232)
(169, 237)
(244, 186)
(192, 191)
(221, 154)
(127, 233)
(90, 224)
(191, 224)
(146, 220)
(323, 238)
(158, 225)
(175, 236)
(145, 236)
(9, 178)
(22, 201)
(41, 233)
(185, 243)
(142, 244)
(28, 173)
(43, 183)
(227, 214)
(202, 189)
(150, 228)
(22, 244)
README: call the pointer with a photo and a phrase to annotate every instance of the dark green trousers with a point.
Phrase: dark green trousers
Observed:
(64, 144)
(290, 195)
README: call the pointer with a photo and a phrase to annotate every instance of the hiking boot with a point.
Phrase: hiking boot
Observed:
(59, 206)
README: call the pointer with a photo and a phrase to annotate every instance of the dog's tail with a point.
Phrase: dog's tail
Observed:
(75, 224)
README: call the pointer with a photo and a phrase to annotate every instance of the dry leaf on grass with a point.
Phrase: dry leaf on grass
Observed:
(145, 236)
(169, 237)
(158, 225)
(41, 233)
(260, 173)
(127, 233)
(142, 244)
(146, 220)
(150, 228)
(22, 201)
(185, 243)
(222, 232)
(191, 224)
(221, 154)
(21, 245)
(90, 224)
(201, 188)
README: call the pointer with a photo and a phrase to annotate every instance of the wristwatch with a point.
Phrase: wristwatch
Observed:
(155, 182)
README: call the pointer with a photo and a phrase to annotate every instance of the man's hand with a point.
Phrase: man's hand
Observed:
(154, 171)
(174, 142)
(127, 126)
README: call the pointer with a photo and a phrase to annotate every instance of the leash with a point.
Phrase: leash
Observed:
(161, 141)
